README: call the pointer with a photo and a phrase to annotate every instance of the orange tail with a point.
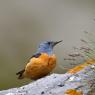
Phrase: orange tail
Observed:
(20, 74)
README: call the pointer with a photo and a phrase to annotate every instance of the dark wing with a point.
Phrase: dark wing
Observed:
(36, 55)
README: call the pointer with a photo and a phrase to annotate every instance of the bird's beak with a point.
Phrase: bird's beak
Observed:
(57, 42)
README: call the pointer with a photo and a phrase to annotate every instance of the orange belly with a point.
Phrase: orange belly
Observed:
(40, 67)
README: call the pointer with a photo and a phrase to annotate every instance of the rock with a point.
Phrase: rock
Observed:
(77, 81)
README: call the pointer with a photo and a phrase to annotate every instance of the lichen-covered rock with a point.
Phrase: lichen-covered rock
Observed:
(77, 81)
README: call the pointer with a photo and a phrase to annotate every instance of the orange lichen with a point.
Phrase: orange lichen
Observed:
(73, 92)
(90, 61)
(82, 66)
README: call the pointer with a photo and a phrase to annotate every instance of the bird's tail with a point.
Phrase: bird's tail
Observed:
(20, 74)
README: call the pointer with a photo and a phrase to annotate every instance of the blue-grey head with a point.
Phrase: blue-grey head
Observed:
(47, 47)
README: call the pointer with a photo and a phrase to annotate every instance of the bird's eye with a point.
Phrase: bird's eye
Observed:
(49, 43)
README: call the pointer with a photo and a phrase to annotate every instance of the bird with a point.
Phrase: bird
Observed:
(41, 63)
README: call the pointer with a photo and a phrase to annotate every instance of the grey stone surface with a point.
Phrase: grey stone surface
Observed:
(58, 84)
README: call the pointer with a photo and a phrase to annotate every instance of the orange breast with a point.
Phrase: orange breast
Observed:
(39, 67)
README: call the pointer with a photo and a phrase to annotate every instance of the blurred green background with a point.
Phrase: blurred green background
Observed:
(26, 23)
